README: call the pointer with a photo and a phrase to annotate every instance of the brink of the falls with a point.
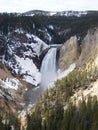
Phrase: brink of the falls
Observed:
(48, 68)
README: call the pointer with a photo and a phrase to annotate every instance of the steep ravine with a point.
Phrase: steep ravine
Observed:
(76, 95)
(19, 67)
(21, 84)
(71, 52)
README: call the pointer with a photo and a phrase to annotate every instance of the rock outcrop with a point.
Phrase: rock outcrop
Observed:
(69, 53)
(19, 67)
(89, 48)
(81, 54)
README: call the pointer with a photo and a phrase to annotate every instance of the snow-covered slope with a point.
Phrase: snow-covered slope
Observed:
(71, 13)
(21, 56)
(55, 13)
(28, 69)
(10, 83)
(19, 66)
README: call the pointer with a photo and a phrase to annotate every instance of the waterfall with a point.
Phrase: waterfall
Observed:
(48, 72)
(48, 68)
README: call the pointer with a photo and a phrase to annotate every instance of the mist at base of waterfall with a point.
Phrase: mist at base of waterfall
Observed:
(47, 80)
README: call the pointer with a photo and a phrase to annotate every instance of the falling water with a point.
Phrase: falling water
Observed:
(48, 72)
(48, 68)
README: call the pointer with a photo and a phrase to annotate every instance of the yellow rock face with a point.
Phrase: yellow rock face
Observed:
(68, 53)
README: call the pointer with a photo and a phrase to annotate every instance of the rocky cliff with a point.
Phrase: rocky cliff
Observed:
(19, 67)
(74, 52)
(89, 47)
(74, 98)
(69, 53)
(24, 41)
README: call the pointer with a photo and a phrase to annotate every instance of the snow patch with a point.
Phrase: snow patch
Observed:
(21, 56)
(27, 68)
(37, 47)
(51, 27)
(72, 13)
(52, 13)
(28, 35)
(46, 34)
(10, 83)
(19, 30)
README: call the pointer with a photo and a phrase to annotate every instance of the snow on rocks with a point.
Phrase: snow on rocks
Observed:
(51, 27)
(19, 30)
(46, 34)
(23, 55)
(10, 83)
(27, 68)
(8, 87)
(1, 93)
(37, 47)
(72, 13)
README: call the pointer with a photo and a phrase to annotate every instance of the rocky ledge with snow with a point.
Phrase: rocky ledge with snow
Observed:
(21, 55)
(55, 13)
(19, 64)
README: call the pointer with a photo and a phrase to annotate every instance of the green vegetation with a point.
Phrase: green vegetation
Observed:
(8, 120)
(64, 27)
(55, 111)
(83, 117)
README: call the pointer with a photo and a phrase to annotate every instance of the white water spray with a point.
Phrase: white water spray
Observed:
(48, 68)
